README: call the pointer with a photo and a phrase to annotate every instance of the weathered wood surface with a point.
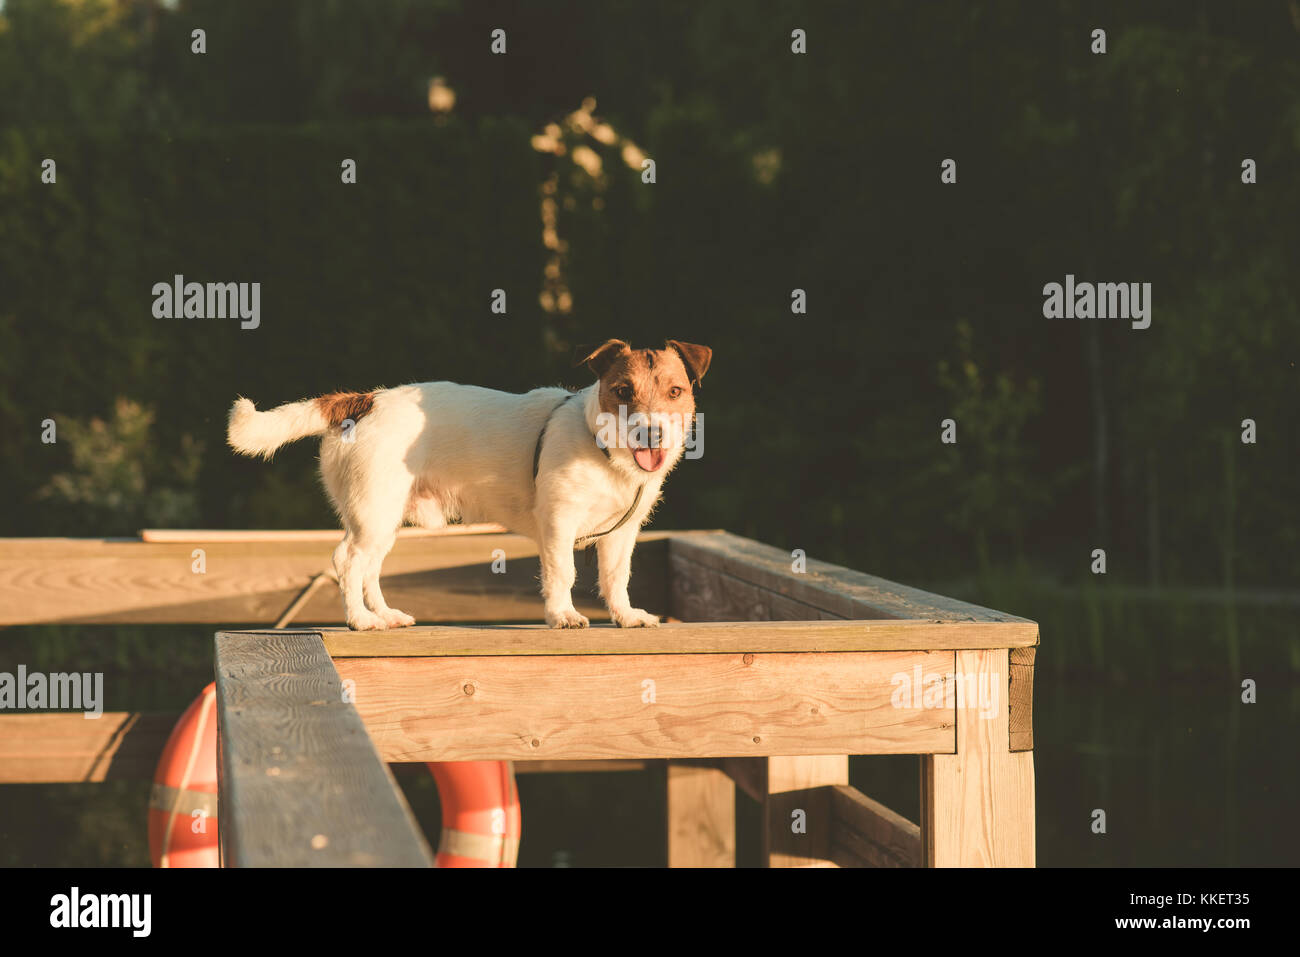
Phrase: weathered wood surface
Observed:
(585, 707)
(865, 833)
(701, 817)
(768, 637)
(832, 589)
(301, 783)
(200, 536)
(977, 805)
(434, 578)
(63, 748)
(1021, 698)
(798, 821)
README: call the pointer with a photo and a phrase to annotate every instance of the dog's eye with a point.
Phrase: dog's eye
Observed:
(674, 392)
(623, 392)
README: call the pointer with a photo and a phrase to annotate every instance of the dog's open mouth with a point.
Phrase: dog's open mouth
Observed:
(648, 460)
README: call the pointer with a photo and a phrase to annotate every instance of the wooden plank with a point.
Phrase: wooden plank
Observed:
(702, 593)
(678, 639)
(586, 707)
(301, 782)
(701, 817)
(64, 748)
(797, 809)
(113, 581)
(749, 774)
(977, 805)
(872, 832)
(841, 856)
(831, 588)
(577, 767)
(1021, 698)
(335, 535)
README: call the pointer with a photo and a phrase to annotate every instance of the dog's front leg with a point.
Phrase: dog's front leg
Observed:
(558, 576)
(615, 553)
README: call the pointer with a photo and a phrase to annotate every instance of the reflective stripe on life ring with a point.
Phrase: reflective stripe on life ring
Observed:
(183, 802)
(481, 818)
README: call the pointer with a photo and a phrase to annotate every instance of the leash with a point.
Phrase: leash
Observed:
(537, 458)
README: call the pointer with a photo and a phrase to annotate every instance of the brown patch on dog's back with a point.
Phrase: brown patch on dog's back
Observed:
(338, 407)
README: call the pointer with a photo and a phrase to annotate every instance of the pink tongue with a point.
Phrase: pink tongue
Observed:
(649, 459)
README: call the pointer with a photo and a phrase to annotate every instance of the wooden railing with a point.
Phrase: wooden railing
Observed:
(769, 681)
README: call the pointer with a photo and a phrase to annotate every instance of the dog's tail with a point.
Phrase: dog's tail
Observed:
(260, 433)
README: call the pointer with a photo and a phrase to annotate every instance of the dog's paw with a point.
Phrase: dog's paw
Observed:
(634, 618)
(396, 619)
(566, 619)
(366, 621)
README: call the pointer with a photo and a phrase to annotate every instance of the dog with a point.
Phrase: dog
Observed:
(565, 469)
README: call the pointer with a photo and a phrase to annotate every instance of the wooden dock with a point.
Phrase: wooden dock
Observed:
(768, 680)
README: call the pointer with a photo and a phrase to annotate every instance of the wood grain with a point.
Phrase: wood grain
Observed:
(701, 819)
(441, 578)
(977, 805)
(204, 535)
(871, 832)
(830, 588)
(1021, 698)
(301, 785)
(686, 638)
(589, 707)
(801, 785)
(67, 748)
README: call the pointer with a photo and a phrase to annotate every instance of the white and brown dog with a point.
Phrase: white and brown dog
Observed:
(563, 468)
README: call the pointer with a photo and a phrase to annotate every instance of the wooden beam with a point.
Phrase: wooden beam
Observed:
(701, 817)
(577, 767)
(798, 821)
(833, 589)
(748, 774)
(64, 748)
(301, 783)
(977, 805)
(333, 535)
(446, 578)
(586, 707)
(871, 832)
(1021, 698)
(702, 593)
(677, 639)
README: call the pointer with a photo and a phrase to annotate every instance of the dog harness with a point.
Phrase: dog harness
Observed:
(586, 540)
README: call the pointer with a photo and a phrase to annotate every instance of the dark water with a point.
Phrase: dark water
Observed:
(1185, 772)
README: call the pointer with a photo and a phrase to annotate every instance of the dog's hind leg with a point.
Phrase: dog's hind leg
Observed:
(351, 561)
(371, 520)
(374, 598)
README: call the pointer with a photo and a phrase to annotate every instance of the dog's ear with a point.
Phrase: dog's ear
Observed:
(604, 356)
(695, 358)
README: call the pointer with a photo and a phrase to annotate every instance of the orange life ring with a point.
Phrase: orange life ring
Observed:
(480, 804)
(480, 813)
(183, 802)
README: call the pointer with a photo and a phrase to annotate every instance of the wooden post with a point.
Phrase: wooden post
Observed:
(977, 806)
(301, 784)
(701, 817)
(797, 810)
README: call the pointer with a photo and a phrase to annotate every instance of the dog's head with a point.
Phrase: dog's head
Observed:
(647, 400)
